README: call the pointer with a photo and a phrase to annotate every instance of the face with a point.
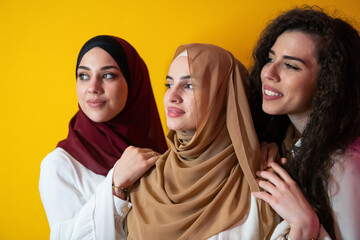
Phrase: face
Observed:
(289, 76)
(179, 98)
(101, 88)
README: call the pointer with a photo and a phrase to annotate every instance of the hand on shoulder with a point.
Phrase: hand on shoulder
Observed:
(132, 165)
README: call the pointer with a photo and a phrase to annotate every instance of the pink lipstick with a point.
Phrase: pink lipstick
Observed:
(174, 112)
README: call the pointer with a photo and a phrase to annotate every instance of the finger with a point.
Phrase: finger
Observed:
(283, 161)
(264, 153)
(141, 150)
(151, 161)
(266, 186)
(270, 176)
(262, 195)
(148, 150)
(151, 154)
(145, 150)
(271, 158)
(273, 153)
(265, 197)
(264, 150)
(281, 172)
(264, 161)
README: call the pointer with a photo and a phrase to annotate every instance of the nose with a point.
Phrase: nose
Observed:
(95, 86)
(174, 95)
(270, 72)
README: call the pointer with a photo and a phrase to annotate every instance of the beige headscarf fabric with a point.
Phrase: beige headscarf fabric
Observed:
(201, 186)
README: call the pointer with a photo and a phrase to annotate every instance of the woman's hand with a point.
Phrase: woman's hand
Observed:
(132, 165)
(286, 198)
(270, 153)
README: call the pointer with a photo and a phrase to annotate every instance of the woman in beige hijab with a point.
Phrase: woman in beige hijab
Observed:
(201, 187)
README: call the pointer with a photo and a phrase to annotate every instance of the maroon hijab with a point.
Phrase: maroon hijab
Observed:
(99, 145)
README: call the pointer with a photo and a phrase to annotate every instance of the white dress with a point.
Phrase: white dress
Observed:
(344, 195)
(79, 204)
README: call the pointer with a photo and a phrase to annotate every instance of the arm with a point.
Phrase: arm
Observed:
(79, 203)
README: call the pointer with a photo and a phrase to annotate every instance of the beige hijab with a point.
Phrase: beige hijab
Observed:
(201, 186)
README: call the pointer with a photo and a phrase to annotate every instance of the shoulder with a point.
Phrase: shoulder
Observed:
(347, 165)
(345, 174)
(63, 170)
(345, 192)
(56, 160)
(59, 165)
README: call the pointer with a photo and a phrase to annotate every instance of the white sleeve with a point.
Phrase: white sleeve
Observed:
(283, 229)
(80, 204)
(345, 196)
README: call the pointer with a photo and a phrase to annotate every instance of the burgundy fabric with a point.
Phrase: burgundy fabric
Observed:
(99, 145)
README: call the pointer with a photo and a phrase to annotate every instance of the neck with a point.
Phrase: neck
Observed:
(299, 121)
(185, 136)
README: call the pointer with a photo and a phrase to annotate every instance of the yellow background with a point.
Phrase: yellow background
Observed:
(39, 44)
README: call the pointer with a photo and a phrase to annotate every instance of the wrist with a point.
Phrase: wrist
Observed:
(121, 192)
(310, 233)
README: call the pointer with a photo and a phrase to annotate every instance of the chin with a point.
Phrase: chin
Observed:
(271, 111)
(179, 126)
(175, 127)
(98, 119)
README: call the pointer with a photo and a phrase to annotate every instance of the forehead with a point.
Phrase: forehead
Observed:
(97, 55)
(296, 43)
(179, 66)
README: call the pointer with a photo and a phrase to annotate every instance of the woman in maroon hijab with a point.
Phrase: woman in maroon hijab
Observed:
(116, 110)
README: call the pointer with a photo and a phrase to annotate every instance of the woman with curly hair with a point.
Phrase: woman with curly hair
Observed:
(306, 76)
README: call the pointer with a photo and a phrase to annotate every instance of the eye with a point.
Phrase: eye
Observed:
(167, 85)
(268, 60)
(188, 86)
(83, 76)
(108, 76)
(289, 66)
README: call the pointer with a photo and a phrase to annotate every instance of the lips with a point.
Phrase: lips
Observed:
(174, 112)
(271, 93)
(95, 103)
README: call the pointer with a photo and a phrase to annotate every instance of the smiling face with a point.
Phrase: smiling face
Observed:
(179, 98)
(101, 88)
(289, 77)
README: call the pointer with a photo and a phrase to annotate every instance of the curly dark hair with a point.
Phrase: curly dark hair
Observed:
(334, 122)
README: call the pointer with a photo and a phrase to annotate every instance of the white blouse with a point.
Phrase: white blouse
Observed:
(79, 204)
(345, 193)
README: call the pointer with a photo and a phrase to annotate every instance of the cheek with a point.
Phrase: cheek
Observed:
(165, 97)
(302, 94)
(192, 108)
(79, 92)
(307, 87)
(308, 93)
(263, 73)
(119, 100)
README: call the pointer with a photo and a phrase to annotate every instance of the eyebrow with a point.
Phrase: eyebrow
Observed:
(103, 68)
(181, 78)
(289, 57)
